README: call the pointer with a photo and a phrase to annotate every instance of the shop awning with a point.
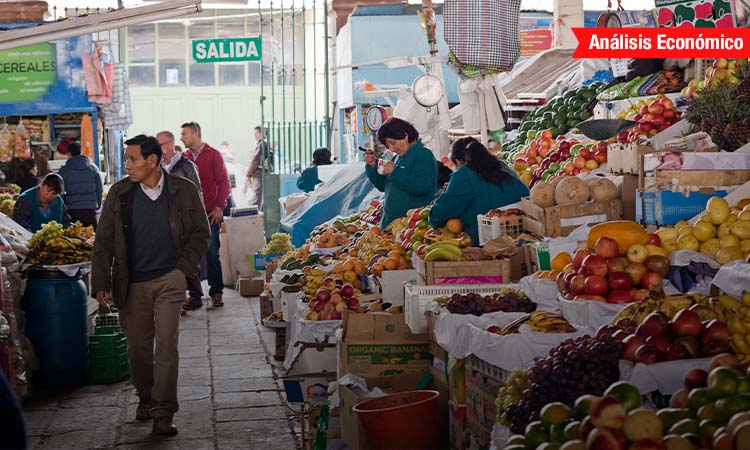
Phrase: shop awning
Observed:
(92, 23)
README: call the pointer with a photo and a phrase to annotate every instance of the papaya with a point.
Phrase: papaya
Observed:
(625, 232)
(560, 260)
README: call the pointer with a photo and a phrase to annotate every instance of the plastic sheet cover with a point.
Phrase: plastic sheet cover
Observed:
(348, 192)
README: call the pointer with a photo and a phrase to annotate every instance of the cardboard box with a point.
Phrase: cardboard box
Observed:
(442, 272)
(560, 221)
(392, 284)
(351, 430)
(250, 287)
(308, 378)
(483, 380)
(459, 433)
(381, 345)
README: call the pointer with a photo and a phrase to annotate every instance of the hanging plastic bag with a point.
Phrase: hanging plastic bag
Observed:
(21, 144)
(6, 144)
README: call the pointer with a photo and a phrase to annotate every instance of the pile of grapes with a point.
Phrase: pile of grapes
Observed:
(508, 300)
(584, 365)
(280, 244)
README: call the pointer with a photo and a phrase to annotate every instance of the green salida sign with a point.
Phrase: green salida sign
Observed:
(27, 73)
(227, 50)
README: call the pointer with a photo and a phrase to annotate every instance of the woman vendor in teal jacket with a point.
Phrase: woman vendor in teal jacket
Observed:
(409, 181)
(42, 204)
(481, 183)
(308, 179)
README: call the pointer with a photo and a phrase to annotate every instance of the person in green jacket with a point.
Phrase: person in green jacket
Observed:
(480, 183)
(410, 179)
(308, 179)
(42, 204)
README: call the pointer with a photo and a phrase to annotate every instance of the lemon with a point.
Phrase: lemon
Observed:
(688, 242)
(729, 240)
(703, 230)
(717, 209)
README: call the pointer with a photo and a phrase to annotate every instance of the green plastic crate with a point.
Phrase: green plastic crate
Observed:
(107, 329)
(107, 357)
(107, 374)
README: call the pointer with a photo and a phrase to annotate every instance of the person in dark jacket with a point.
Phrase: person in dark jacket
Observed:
(152, 232)
(308, 179)
(26, 174)
(11, 418)
(42, 204)
(83, 187)
(176, 164)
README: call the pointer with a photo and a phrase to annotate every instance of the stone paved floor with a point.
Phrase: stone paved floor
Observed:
(227, 392)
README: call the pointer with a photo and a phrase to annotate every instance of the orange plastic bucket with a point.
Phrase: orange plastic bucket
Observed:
(405, 421)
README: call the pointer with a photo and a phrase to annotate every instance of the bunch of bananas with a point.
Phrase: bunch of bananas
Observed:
(549, 322)
(738, 321)
(313, 281)
(669, 305)
(54, 246)
(443, 251)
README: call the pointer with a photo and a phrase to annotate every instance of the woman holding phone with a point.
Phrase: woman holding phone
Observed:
(409, 180)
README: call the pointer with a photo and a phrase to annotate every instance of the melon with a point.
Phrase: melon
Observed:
(543, 194)
(571, 191)
(602, 189)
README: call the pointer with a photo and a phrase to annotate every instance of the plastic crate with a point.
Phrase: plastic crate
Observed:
(107, 374)
(108, 329)
(104, 320)
(259, 261)
(417, 299)
(669, 207)
(493, 227)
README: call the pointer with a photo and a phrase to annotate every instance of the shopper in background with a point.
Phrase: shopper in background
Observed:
(216, 189)
(308, 179)
(26, 174)
(177, 164)
(480, 183)
(152, 232)
(261, 159)
(83, 186)
(410, 179)
(42, 204)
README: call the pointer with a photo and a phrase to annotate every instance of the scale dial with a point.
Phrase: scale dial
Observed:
(375, 117)
(428, 90)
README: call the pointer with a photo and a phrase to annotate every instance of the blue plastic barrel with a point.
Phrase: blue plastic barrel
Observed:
(57, 326)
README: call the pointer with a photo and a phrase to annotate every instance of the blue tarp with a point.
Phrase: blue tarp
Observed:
(347, 193)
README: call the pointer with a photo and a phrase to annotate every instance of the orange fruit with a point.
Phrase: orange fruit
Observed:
(375, 230)
(390, 264)
(350, 276)
(359, 267)
(744, 202)
(394, 254)
(349, 265)
(454, 225)
(338, 268)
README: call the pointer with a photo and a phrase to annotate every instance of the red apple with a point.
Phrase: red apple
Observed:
(347, 290)
(577, 285)
(713, 348)
(579, 162)
(677, 351)
(659, 122)
(654, 324)
(619, 335)
(617, 264)
(639, 295)
(654, 239)
(679, 399)
(323, 295)
(669, 114)
(585, 154)
(591, 297)
(627, 324)
(606, 330)
(596, 285)
(655, 108)
(595, 265)
(666, 103)
(636, 271)
(695, 378)
(657, 264)
(352, 302)
(560, 282)
(630, 345)
(660, 341)
(723, 360)
(645, 127)
(317, 304)
(715, 330)
(643, 110)
(600, 157)
(619, 296)
(649, 354)
(620, 281)
(606, 247)
(686, 323)
(648, 117)
(579, 257)
(651, 279)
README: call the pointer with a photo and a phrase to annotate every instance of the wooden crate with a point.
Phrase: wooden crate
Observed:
(557, 221)
(430, 271)
(702, 178)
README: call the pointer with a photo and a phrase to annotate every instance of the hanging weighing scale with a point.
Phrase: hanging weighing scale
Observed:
(427, 90)
(375, 117)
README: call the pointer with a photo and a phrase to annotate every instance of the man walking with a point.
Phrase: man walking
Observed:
(152, 232)
(216, 189)
(260, 160)
(83, 187)
(176, 164)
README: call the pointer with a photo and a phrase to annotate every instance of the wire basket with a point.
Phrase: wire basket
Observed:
(493, 227)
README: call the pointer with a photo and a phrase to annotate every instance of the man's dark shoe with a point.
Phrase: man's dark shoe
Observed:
(143, 412)
(216, 301)
(163, 426)
(192, 304)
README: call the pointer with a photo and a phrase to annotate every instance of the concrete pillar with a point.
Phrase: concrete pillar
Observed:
(567, 14)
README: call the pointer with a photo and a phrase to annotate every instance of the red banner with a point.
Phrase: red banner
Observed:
(662, 43)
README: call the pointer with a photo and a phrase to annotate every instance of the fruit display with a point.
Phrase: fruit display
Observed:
(570, 191)
(722, 112)
(721, 71)
(668, 305)
(11, 189)
(606, 275)
(442, 251)
(313, 280)
(511, 392)
(711, 412)
(53, 245)
(294, 263)
(7, 205)
(373, 213)
(379, 252)
(584, 365)
(414, 234)
(348, 270)
(327, 237)
(721, 231)
(330, 301)
(653, 118)
(549, 322)
(544, 158)
(281, 243)
(738, 320)
(349, 225)
(507, 300)
(694, 332)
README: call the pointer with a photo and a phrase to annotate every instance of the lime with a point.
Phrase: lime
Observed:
(582, 405)
(536, 435)
(722, 381)
(685, 426)
(572, 430)
(555, 412)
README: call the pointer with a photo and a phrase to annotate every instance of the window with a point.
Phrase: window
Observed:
(231, 28)
(253, 74)
(141, 44)
(201, 29)
(231, 75)
(202, 74)
(142, 76)
(171, 73)
(172, 54)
